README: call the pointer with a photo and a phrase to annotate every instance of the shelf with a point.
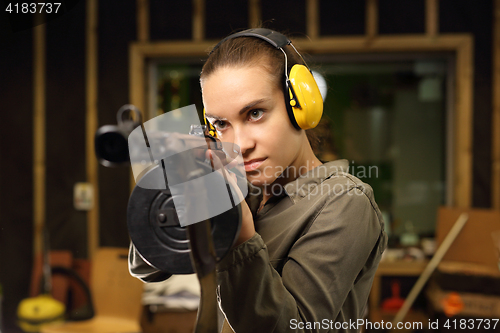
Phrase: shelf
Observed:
(401, 268)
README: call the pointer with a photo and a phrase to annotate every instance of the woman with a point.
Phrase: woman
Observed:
(312, 237)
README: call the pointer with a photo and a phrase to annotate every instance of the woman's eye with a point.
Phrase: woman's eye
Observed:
(219, 124)
(256, 114)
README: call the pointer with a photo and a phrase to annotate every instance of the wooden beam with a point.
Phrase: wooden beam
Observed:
(143, 37)
(496, 109)
(254, 13)
(464, 124)
(399, 43)
(431, 18)
(39, 131)
(371, 19)
(137, 89)
(143, 20)
(137, 79)
(91, 122)
(389, 43)
(198, 20)
(312, 19)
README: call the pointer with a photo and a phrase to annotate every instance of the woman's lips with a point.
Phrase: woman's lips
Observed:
(253, 164)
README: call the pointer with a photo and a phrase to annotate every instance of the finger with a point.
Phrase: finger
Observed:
(229, 176)
(233, 154)
(214, 159)
(233, 163)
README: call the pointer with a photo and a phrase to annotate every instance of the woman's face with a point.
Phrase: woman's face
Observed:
(248, 109)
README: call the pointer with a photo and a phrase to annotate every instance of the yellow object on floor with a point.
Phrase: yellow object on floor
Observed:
(34, 312)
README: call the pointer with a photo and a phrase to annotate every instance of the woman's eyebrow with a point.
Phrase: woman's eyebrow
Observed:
(208, 115)
(251, 105)
(243, 110)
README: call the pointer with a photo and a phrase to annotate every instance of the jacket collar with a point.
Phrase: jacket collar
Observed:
(300, 187)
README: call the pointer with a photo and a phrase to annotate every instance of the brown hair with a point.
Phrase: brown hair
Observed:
(250, 51)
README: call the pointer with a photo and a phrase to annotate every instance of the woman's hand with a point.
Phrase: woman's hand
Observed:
(247, 225)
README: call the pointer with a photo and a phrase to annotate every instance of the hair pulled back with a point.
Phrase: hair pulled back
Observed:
(251, 51)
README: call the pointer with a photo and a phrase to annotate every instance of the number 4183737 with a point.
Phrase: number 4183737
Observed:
(33, 7)
(471, 324)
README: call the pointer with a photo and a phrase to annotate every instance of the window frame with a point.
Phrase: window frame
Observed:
(460, 45)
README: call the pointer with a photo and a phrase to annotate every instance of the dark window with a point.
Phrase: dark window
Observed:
(401, 17)
(285, 16)
(170, 19)
(342, 17)
(222, 17)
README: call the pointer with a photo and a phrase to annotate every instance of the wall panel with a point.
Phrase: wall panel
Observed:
(16, 172)
(114, 183)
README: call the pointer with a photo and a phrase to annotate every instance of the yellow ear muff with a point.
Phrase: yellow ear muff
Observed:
(308, 97)
(211, 129)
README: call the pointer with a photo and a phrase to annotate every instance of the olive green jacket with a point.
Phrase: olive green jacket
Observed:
(311, 263)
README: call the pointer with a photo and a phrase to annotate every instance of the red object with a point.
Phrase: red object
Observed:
(452, 304)
(395, 302)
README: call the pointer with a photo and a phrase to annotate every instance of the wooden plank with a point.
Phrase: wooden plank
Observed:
(254, 13)
(495, 168)
(137, 76)
(389, 43)
(143, 20)
(312, 19)
(137, 87)
(91, 123)
(463, 127)
(198, 20)
(431, 18)
(400, 43)
(371, 18)
(39, 131)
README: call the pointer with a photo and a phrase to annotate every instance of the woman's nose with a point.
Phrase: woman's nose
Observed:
(244, 140)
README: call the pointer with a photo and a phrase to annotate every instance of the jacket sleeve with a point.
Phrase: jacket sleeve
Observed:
(319, 274)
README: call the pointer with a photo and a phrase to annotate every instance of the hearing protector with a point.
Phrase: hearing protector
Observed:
(302, 96)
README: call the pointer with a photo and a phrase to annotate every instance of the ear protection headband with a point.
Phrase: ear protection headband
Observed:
(302, 96)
